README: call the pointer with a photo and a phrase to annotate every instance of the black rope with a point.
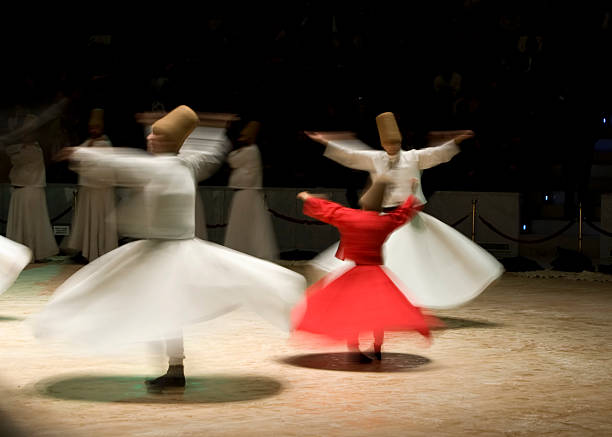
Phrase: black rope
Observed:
(458, 222)
(598, 229)
(63, 213)
(540, 240)
(294, 220)
(220, 225)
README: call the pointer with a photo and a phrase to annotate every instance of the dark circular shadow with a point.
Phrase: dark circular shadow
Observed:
(457, 323)
(391, 362)
(10, 319)
(132, 389)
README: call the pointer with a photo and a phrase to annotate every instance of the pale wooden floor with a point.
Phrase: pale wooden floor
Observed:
(528, 357)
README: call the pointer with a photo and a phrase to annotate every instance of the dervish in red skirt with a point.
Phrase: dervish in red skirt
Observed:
(363, 299)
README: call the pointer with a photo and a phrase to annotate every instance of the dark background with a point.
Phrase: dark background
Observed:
(535, 82)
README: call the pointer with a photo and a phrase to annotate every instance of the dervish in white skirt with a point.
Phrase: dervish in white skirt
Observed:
(13, 259)
(439, 266)
(28, 220)
(150, 289)
(249, 228)
(94, 223)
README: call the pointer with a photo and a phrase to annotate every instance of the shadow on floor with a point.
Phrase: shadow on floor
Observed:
(391, 362)
(10, 319)
(456, 323)
(132, 389)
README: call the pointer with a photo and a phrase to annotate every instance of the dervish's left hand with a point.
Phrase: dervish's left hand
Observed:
(463, 136)
(65, 153)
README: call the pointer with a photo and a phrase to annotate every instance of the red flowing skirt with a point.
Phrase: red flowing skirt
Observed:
(363, 299)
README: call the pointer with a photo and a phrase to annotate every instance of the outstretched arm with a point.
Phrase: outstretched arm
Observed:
(207, 157)
(432, 156)
(320, 208)
(131, 167)
(345, 149)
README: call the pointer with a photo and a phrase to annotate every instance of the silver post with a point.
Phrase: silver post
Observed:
(474, 219)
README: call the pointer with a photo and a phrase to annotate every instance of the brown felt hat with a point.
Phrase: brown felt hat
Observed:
(248, 134)
(176, 126)
(387, 128)
(97, 118)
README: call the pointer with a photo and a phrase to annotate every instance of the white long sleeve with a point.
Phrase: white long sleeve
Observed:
(432, 156)
(351, 153)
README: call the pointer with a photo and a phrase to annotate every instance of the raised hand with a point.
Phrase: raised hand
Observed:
(438, 137)
(303, 195)
(325, 137)
(64, 153)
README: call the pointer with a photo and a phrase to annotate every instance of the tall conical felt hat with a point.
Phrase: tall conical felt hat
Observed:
(97, 118)
(387, 128)
(176, 126)
(372, 199)
(250, 131)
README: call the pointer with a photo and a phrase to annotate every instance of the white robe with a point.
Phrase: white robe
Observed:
(13, 259)
(150, 289)
(437, 265)
(94, 224)
(28, 217)
(213, 142)
(249, 228)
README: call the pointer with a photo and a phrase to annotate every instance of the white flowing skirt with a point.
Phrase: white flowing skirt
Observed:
(148, 290)
(436, 266)
(249, 228)
(94, 226)
(13, 259)
(28, 222)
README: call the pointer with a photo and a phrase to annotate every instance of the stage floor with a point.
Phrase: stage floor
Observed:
(531, 356)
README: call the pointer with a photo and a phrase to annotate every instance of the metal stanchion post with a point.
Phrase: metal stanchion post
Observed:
(580, 227)
(474, 219)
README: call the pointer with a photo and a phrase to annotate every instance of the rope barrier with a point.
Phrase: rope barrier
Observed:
(458, 222)
(57, 217)
(516, 240)
(312, 222)
(598, 229)
(63, 213)
(219, 225)
(295, 220)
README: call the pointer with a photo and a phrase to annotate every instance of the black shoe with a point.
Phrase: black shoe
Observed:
(358, 357)
(165, 381)
(378, 355)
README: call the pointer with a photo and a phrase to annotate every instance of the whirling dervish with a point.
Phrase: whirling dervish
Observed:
(441, 267)
(150, 289)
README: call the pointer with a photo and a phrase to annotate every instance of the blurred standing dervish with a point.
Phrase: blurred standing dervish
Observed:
(150, 289)
(441, 267)
(363, 299)
(249, 228)
(28, 217)
(94, 224)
